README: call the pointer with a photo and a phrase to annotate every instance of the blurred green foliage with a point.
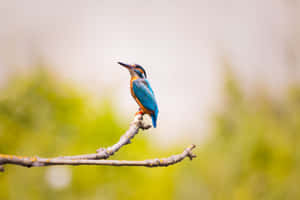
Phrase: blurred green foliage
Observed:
(252, 152)
(41, 115)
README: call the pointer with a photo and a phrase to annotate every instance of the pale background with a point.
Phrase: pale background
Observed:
(180, 43)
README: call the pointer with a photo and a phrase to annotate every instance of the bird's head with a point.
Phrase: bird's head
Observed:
(135, 70)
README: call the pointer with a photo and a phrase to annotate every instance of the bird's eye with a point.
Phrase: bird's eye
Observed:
(139, 73)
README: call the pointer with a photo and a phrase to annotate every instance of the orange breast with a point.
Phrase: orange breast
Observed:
(145, 110)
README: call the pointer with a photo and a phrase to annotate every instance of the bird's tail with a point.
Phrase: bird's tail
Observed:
(154, 118)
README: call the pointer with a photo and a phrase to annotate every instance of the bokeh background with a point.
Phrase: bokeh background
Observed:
(226, 76)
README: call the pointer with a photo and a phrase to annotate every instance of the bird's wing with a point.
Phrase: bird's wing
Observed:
(144, 93)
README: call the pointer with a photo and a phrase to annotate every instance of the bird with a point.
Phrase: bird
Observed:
(141, 91)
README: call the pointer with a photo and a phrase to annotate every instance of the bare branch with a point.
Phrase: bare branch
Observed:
(104, 153)
(41, 162)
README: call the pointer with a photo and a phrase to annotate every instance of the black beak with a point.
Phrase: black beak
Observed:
(125, 65)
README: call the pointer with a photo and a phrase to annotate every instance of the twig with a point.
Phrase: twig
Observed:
(41, 162)
(104, 153)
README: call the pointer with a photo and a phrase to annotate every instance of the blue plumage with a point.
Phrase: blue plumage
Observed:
(145, 95)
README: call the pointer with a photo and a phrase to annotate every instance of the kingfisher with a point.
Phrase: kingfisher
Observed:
(141, 91)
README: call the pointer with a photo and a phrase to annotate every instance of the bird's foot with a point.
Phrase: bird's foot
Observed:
(140, 112)
(138, 120)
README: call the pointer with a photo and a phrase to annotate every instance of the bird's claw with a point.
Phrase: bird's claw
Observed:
(138, 121)
(140, 112)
